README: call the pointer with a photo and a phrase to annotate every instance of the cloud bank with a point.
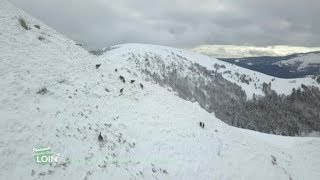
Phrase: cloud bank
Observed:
(182, 23)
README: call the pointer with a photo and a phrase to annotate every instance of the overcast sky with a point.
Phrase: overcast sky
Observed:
(182, 23)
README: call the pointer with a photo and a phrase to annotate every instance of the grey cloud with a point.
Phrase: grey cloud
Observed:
(182, 23)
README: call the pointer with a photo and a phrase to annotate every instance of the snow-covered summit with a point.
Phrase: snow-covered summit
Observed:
(53, 95)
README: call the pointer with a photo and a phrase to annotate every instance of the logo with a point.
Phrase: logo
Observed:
(44, 155)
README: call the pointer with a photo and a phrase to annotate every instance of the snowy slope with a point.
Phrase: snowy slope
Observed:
(148, 133)
(303, 61)
(138, 52)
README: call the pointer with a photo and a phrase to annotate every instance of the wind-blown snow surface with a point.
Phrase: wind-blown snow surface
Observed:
(149, 133)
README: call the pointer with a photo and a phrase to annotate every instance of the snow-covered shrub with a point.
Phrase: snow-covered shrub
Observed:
(42, 91)
(266, 88)
(273, 160)
(41, 38)
(23, 23)
(245, 79)
(99, 52)
(216, 66)
(227, 72)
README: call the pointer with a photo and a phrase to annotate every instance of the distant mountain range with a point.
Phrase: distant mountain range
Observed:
(240, 51)
(290, 66)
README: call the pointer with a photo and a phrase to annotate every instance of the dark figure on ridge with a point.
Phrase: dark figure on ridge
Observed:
(122, 79)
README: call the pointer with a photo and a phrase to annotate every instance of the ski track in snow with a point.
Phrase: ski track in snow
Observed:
(148, 133)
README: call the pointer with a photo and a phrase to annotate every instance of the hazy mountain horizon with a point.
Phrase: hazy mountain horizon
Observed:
(239, 51)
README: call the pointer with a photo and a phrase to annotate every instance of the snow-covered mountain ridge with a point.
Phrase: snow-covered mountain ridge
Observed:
(140, 52)
(291, 66)
(238, 96)
(53, 95)
(303, 61)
